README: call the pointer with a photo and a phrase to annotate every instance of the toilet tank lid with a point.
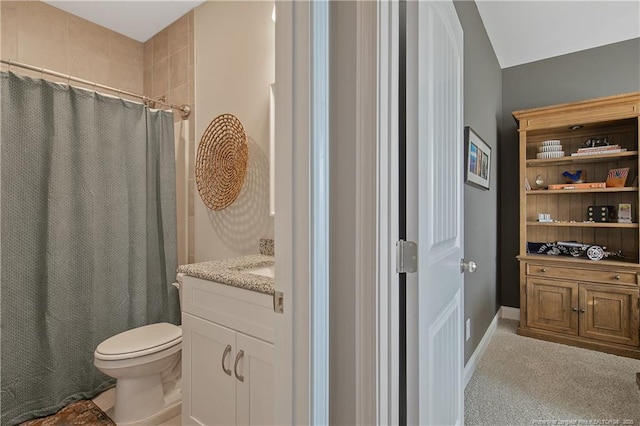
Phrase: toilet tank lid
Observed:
(141, 339)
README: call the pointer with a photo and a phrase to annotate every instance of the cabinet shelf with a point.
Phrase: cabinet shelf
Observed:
(581, 191)
(585, 224)
(580, 159)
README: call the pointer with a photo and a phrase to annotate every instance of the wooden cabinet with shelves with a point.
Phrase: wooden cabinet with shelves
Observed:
(574, 300)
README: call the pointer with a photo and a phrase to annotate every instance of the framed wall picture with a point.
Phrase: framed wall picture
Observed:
(477, 161)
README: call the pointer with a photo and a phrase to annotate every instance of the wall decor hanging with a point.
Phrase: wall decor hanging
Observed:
(477, 160)
(221, 163)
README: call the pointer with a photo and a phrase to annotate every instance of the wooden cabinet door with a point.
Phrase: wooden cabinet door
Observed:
(255, 390)
(552, 305)
(609, 313)
(209, 393)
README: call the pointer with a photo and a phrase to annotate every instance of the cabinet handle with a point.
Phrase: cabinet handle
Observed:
(617, 277)
(235, 366)
(227, 350)
(582, 311)
(543, 270)
(574, 309)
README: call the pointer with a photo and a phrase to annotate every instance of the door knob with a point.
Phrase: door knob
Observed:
(468, 266)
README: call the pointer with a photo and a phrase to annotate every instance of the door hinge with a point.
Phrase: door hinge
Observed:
(406, 257)
(278, 302)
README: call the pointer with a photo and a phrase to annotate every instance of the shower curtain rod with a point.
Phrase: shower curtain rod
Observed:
(185, 110)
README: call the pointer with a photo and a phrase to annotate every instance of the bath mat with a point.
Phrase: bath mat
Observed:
(80, 413)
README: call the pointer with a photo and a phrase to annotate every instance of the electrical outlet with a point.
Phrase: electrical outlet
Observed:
(468, 329)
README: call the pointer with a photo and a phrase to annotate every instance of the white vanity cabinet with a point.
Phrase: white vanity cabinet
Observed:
(227, 354)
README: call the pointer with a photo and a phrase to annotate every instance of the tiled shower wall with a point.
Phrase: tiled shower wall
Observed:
(41, 35)
(169, 73)
(38, 34)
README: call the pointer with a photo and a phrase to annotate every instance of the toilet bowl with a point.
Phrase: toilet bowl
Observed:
(146, 363)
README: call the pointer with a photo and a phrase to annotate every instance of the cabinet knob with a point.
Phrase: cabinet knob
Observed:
(574, 309)
(617, 277)
(227, 350)
(543, 270)
(235, 366)
(582, 311)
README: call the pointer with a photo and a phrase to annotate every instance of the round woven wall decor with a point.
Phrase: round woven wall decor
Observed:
(221, 163)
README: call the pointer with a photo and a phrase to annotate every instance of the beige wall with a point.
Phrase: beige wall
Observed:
(235, 64)
(169, 73)
(38, 34)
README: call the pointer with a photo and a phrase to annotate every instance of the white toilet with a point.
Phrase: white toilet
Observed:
(146, 361)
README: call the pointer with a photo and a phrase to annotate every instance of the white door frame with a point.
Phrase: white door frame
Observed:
(292, 223)
(387, 228)
(367, 256)
(302, 213)
(301, 372)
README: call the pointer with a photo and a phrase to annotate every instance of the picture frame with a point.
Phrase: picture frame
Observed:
(477, 160)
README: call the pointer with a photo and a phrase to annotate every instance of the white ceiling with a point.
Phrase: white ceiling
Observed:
(139, 20)
(527, 31)
(520, 31)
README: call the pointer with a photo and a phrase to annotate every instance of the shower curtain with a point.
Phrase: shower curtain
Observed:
(88, 236)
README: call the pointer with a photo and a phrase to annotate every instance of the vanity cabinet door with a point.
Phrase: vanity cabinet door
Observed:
(209, 385)
(255, 391)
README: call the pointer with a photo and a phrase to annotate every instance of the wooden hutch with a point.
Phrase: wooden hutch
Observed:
(567, 297)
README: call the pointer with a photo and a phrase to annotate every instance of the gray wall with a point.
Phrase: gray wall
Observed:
(342, 355)
(483, 112)
(602, 71)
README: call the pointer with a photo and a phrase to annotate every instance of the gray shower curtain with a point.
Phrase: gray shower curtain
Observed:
(88, 236)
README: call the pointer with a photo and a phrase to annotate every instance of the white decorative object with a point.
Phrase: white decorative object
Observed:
(544, 217)
(550, 149)
(624, 213)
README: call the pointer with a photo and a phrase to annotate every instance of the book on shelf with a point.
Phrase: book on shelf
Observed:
(599, 152)
(599, 148)
(569, 186)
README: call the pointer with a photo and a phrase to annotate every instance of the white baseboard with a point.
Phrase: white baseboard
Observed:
(510, 313)
(470, 368)
(505, 312)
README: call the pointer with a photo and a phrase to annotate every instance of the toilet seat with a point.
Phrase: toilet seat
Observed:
(139, 342)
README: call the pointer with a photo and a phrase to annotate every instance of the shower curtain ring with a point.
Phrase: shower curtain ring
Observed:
(41, 72)
(9, 69)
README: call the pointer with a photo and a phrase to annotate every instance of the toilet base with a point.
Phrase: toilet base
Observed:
(144, 401)
(167, 413)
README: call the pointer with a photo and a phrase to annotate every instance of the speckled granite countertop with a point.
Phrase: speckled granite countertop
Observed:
(232, 272)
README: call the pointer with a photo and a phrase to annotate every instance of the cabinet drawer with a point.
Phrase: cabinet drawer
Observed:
(242, 310)
(575, 274)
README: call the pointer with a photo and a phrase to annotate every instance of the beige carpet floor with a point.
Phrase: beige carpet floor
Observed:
(524, 381)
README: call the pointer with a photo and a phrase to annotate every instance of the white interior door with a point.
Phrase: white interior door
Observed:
(434, 213)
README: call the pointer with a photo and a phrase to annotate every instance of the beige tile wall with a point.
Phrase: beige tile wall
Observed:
(38, 34)
(169, 73)
(41, 35)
